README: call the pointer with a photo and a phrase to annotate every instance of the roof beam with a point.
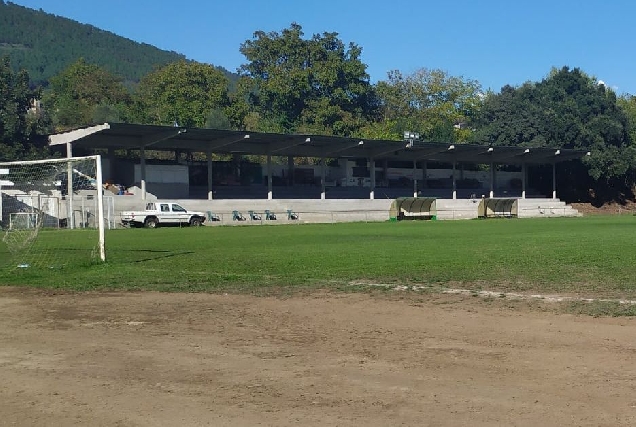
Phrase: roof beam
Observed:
(224, 142)
(288, 143)
(148, 140)
(377, 153)
(74, 135)
(339, 148)
(430, 152)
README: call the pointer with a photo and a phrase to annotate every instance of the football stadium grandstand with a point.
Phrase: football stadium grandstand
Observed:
(351, 179)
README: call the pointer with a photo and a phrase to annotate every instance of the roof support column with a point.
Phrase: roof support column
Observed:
(385, 167)
(424, 174)
(414, 178)
(69, 186)
(524, 176)
(492, 180)
(322, 178)
(554, 180)
(454, 180)
(290, 170)
(142, 171)
(269, 177)
(111, 164)
(210, 191)
(372, 167)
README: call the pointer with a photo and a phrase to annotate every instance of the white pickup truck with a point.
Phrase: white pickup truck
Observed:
(162, 213)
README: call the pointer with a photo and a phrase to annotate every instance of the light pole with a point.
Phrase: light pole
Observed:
(410, 138)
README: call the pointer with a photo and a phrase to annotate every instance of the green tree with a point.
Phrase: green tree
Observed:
(312, 86)
(383, 128)
(511, 118)
(217, 119)
(568, 109)
(84, 94)
(431, 102)
(188, 93)
(20, 126)
(628, 104)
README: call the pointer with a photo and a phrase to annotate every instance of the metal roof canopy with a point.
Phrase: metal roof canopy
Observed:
(168, 138)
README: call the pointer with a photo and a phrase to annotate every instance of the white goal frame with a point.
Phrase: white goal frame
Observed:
(69, 196)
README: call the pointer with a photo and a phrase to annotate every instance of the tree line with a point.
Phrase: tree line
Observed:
(319, 85)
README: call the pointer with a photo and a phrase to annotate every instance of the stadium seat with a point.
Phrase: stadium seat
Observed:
(254, 216)
(269, 216)
(212, 216)
(291, 215)
(237, 216)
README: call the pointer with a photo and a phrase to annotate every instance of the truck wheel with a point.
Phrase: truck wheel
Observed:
(195, 222)
(151, 223)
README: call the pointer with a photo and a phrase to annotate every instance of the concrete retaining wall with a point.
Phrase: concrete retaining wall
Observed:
(341, 210)
(457, 209)
(535, 208)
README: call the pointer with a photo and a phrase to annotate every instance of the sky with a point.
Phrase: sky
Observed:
(495, 42)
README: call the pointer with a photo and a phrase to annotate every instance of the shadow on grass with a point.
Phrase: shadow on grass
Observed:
(154, 254)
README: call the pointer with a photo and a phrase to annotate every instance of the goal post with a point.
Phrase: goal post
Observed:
(52, 212)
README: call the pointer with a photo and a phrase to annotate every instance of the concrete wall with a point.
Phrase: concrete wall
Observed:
(457, 209)
(535, 208)
(308, 211)
(340, 210)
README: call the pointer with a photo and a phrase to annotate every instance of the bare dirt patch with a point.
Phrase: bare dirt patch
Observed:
(328, 359)
(627, 208)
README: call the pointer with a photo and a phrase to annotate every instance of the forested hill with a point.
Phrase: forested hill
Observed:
(45, 44)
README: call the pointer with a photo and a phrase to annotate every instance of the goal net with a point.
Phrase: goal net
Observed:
(52, 213)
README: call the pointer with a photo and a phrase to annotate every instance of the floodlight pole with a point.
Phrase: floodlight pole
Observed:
(410, 138)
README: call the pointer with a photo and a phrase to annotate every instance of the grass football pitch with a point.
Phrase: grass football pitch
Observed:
(584, 256)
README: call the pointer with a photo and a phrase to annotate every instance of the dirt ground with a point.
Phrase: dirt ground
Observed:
(628, 208)
(322, 359)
